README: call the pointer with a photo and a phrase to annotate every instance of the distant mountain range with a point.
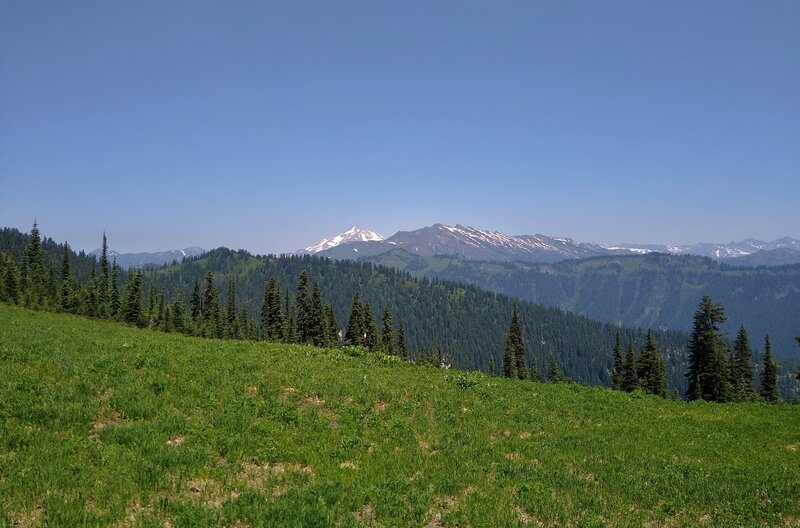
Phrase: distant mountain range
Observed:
(158, 258)
(481, 245)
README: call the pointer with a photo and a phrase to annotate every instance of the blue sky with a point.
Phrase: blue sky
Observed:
(268, 125)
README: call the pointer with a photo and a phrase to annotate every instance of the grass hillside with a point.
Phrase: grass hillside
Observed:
(105, 425)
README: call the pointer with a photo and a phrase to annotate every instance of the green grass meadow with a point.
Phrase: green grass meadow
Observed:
(105, 425)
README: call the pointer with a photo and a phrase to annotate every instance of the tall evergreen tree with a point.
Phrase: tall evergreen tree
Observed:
(10, 280)
(492, 366)
(304, 309)
(630, 380)
(387, 333)
(318, 330)
(104, 279)
(741, 370)
(652, 370)
(514, 351)
(534, 374)
(92, 295)
(34, 276)
(556, 375)
(272, 322)
(372, 338)
(132, 309)
(152, 306)
(115, 300)
(178, 315)
(708, 370)
(196, 302)
(354, 334)
(231, 321)
(618, 370)
(289, 320)
(769, 375)
(67, 296)
(212, 322)
(509, 359)
(402, 348)
(332, 326)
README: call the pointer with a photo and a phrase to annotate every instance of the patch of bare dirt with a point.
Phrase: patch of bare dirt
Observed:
(176, 442)
(207, 491)
(314, 400)
(105, 419)
(28, 519)
(365, 516)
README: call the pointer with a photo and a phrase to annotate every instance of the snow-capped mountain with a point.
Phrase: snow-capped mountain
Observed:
(731, 250)
(354, 234)
(479, 244)
(158, 258)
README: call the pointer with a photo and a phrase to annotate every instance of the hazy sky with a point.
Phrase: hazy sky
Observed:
(267, 125)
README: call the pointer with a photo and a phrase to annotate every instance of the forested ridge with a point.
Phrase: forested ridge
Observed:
(647, 291)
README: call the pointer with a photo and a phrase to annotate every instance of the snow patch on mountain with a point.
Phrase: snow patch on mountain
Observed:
(354, 234)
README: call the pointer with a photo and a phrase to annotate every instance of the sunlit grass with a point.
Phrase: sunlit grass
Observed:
(105, 425)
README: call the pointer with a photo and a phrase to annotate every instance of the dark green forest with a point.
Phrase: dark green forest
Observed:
(646, 291)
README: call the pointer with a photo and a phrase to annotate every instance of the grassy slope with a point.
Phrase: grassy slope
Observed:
(102, 424)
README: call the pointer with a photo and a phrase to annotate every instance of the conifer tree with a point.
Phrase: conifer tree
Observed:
(332, 326)
(132, 309)
(104, 280)
(211, 316)
(92, 295)
(178, 316)
(231, 322)
(769, 375)
(708, 370)
(196, 302)
(152, 306)
(402, 349)
(509, 360)
(652, 369)
(556, 375)
(10, 280)
(115, 300)
(514, 351)
(162, 321)
(354, 334)
(289, 320)
(387, 333)
(492, 366)
(741, 369)
(34, 276)
(304, 309)
(372, 338)
(67, 296)
(271, 314)
(534, 374)
(630, 380)
(618, 370)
